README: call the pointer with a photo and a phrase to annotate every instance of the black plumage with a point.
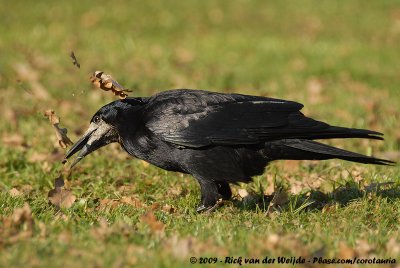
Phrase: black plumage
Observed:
(218, 138)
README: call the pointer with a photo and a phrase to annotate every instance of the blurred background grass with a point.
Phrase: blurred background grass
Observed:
(339, 58)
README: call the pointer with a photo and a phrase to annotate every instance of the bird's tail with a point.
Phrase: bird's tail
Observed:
(299, 149)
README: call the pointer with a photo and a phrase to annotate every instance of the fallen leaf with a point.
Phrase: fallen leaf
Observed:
(18, 226)
(26, 189)
(107, 83)
(329, 208)
(375, 186)
(59, 196)
(242, 193)
(14, 192)
(74, 60)
(37, 157)
(279, 198)
(10, 116)
(42, 229)
(273, 240)
(27, 73)
(183, 247)
(131, 200)
(269, 190)
(103, 230)
(64, 237)
(54, 156)
(144, 163)
(315, 90)
(176, 191)
(14, 140)
(106, 202)
(169, 209)
(150, 219)
(393, 246)
(346, 252)
(363, 248)
(281, 244)
(390, 155)
(61, 133)
(155, 206)
(183, 56)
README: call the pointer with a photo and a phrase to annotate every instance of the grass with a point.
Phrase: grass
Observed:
(338, 58)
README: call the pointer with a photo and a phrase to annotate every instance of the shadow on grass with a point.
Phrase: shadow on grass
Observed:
(317, 200)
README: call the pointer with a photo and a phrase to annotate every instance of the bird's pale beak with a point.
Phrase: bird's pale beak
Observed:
(94, 138)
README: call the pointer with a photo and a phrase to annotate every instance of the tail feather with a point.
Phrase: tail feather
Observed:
(298, 149)
(342, 132)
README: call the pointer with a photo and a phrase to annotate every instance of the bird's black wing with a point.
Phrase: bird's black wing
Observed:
(195, 118)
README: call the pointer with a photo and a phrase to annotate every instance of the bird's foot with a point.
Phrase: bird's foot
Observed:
(208, 209)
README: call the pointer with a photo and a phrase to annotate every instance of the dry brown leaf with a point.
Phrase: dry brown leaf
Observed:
(183, 247)
(18, 226)
(42, 229)
(155, 206)
(64, 237)
(14, 140)
(183, 56)
(279, 199)
(54, 156)
(242, 193)
(150, 219)
(269, 190)
(103, 230)
(27, 73)
(375, 186)
(107, 83)
(61, 133)
(329, 208)
(393, 246)
(169, 209)
(281, 244)
(133, 201)
(296, 187)
(291, 165)
(315, 90)
(26, 189)
(346, 252)
(363, 248)
(59, 196)
(37, 157)
(106, 202)
(273, 240)
(10, 116)
(74, 60)
(14, 192)
(126, 189)
(390, 155)
(144, 163)
(166, 208)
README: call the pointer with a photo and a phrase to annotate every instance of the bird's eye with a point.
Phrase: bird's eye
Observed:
(96, 119)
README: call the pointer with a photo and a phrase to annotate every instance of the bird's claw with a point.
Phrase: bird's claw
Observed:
(208, 209)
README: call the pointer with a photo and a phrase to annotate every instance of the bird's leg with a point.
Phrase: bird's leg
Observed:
(209, 195)
(224, 190)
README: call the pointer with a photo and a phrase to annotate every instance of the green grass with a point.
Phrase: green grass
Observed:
(339, 58)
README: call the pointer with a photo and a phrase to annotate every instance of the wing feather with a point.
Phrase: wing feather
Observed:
(196, 118)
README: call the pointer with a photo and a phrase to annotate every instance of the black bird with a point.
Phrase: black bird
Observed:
(218, 138)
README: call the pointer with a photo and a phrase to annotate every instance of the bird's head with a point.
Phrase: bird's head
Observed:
(103, 129)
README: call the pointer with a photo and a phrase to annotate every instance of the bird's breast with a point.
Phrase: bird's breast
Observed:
(153, 150)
